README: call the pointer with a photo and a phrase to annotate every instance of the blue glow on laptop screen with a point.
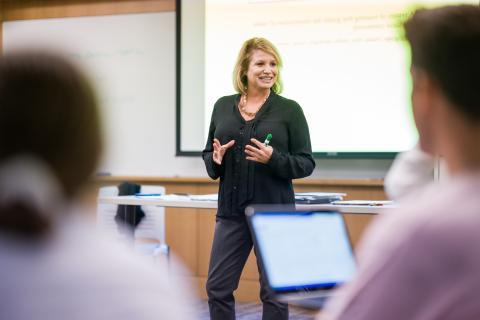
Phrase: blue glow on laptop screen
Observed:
(308, 250)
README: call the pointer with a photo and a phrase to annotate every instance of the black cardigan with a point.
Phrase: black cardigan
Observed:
(244, 182)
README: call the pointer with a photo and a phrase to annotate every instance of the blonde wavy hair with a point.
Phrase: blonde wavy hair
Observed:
(240, 81)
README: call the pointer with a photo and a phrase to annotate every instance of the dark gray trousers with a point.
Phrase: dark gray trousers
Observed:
(231, 246)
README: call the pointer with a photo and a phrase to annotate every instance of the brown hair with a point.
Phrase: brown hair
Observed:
(445, 43)
(243, 61)
(47, 110)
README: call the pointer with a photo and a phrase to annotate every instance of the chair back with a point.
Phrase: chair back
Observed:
(152, 226)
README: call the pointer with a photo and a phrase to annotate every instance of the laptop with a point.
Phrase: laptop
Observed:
(304, 254)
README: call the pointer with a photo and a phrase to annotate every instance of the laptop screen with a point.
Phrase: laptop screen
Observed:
(303, 250)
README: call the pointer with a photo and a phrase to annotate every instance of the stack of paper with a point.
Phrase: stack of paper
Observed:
(317, 197)
(364, 203)
(204, 197)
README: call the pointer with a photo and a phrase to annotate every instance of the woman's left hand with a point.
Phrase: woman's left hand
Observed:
(260, 153)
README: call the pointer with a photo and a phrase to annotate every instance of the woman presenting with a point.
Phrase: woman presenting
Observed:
(258, 142)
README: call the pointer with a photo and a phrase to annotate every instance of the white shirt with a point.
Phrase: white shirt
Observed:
(411, 171)
(75, 273)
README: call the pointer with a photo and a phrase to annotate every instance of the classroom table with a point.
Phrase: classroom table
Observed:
(186, 202)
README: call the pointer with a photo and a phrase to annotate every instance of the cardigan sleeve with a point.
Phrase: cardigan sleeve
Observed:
(213, 169)
(298, 162)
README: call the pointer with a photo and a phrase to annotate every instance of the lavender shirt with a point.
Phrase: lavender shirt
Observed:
(427, 266)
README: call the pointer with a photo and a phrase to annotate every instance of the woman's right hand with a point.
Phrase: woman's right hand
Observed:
(219, 150)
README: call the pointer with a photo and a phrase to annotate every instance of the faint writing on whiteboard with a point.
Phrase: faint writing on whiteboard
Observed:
(92, 54)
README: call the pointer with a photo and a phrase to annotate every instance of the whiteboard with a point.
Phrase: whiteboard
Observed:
(131, 61)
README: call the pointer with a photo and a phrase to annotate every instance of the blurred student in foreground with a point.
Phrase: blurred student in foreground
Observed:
(428, 265)
(411, 172)
(52, 266)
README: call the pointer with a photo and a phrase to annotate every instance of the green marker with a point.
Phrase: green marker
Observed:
(267, 139)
